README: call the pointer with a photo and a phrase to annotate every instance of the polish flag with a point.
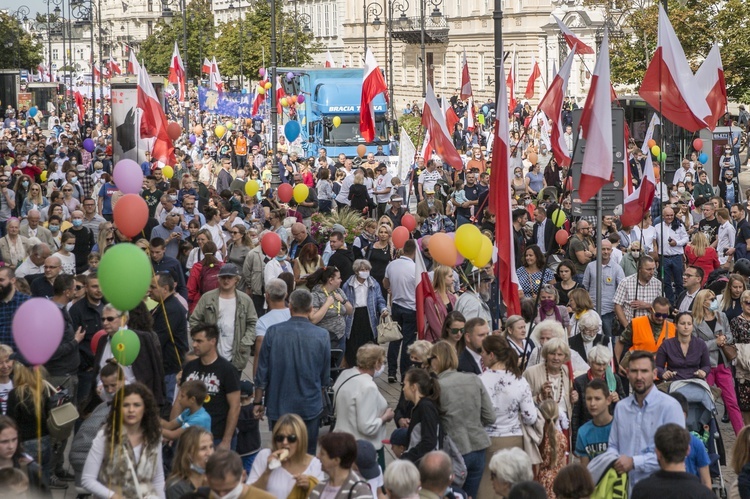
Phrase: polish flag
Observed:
(465, 80)
(639, 202)
(572, 39)
(424, 290)
(710, 80)
(329, 60)
(177, 72)
(470, 115)
(596, 125)
(451, 118)
(214, 78)
(206, 66)
(535, 73)
(114, 67)
(257, 101)
(511, 84)
(279, 94)
(427, 148)
(373, 84)
(133, 65)
(434, 121)
(97, 74)
(669, 83)
(80, 106)
(551, 105)
(153, 120)
(499, 204)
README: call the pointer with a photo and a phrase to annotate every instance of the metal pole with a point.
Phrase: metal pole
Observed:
(49, 43)
(598, 251)
(186, 103)
(275, 180)
(364, 23)
(497, 17)
(101, 79)
(389, 25)
(422, 47)
(92, 106)
(296, 31)
(242, 39)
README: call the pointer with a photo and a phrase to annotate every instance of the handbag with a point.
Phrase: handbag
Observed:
(63, 414)
(388, 331)
(729, 351)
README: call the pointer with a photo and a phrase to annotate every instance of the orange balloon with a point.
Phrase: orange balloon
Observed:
(130, 214)
(249, 121)
(361, 150)
(533, 158)
(651, 143)
(400, 236)
(561, 237)
(443, 249)
(198, 130)
(409, 222)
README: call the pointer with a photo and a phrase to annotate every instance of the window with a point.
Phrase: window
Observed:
(150, 5)
(403, 69)
(335, 30)
(150, 27)
(55, 54)
(481, 72)
(327, 17)
(318, 19)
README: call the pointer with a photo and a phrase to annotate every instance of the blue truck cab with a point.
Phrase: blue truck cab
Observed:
(332, 92)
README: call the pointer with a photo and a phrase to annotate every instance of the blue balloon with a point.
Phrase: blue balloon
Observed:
(33, 111)
(244, 90)
(703, 158)
(292, 130)
(485, 109)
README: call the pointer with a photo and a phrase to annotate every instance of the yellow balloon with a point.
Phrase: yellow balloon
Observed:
(655, 150)
(261, 90)
(485, 252)
(336, 121)
(301, 191)
(220, 130)
(167, 171)
(251, 188)
(284, 102)
(230, 125)
(267, 86)
(43, 176)
(468, 241)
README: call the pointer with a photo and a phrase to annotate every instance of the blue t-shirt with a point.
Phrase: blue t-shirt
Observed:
(698, 457)
(592, 440)
(201, 418)
(106, 193)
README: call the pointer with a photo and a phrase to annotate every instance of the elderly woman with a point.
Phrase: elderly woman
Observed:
(588, 335)
(511, 400)
(337, 454)
(546, 330)
(711, 325)
(466, 409)
(683, 356)
(509, 467)
(364, 293)
(13, 246)
(580, 304)
(515, 334)
(419, 354)
(360, 408)
(436, 310)
(549, 309)
(453, 330)
(551, 379)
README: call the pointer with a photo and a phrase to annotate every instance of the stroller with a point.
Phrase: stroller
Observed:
(701, 419)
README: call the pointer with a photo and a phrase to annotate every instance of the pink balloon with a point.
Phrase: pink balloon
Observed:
(128, 176)
(697, 144)
(300, 98)
(38, 327)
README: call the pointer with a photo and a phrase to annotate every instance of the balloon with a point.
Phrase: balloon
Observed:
(460, 258)
(174, 130)
(409, 222)
(442, 249)
(285, 193)
(662, 157)
(230, 125)
(271, 243)
(130, 214)
(89, 145)
(96, 339)
(485, 109)
(300, 192)
(124, 275)
(361, 150)
(533, 158)
(485, 253)
(651, 143)
(198, 130)
(400, 236)
(33, 110)
(292, 130)
(561, 236)
(468, 240)
(167, 171)
(697, 144)
(125, 346)
(290, 76)
(267, 86)
(128, 176)
(220, 130)
(43, 176)
(300, 98)
(283, 102)
(655, 150)
(260, 90)
(559, 217)
(336, 121)
(192, 138)
(38, 327)
(244, 90)
(249, 121)
(251, 188)
(293, 99)
(262, 72)
(703, 158)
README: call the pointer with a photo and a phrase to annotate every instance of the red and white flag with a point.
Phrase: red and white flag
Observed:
(80, 106)
(153, 120)
(133, 65)
(531, 83)
(427, 148)
(710, 81)
(329, 60)
(639, 202)
(596, 125)
(97, 73)
(206, 66)
(424, 289)
(499, 204)
(258, 99)
(215, 81)
(551, 106)
(373, 84)
(279, 94)
(451, 118)
(177, 73)
(510, 81)
(434, 121)
(114, 67)
(465, 80)
(669, 83)
(470, 115)
(572, 39)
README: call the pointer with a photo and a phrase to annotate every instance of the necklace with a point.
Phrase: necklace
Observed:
(559, 397)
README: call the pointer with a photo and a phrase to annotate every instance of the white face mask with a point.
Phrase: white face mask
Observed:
(233, 494)
(379, 372)
(364, 274)
(680, 190)
(636, 254)
(70, 247)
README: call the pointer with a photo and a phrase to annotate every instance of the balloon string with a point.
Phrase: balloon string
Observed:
(38, 409)
(116, 421)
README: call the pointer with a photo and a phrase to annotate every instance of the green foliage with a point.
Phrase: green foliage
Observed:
(19, 48)
(413, 127)
(322, 225)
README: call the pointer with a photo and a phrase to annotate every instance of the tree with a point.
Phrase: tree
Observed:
(19, 48)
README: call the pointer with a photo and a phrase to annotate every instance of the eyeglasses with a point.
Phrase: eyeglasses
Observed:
(50, 267)
(109, 319)
(279, 438)
(746, 303)
(664, 316)
(79, 287)
(457, 330)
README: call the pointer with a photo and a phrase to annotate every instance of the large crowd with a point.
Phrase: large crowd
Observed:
(557, 401)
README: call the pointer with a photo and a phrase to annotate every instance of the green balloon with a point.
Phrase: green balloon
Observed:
(662, 157)
(559, 217)
(124, 275)
(125, 346)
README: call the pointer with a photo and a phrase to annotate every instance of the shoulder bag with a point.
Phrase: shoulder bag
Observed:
(388, 330)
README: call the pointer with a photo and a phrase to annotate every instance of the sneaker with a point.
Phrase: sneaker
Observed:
(57, 483)
(725, 417)
(391, 379)
(65, 476)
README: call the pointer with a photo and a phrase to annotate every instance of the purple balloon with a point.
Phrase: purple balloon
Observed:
(262, 72)
(128, 176)
(38, 330)
(290, 76)
(192, 138)
(300, 98)
(89, 145)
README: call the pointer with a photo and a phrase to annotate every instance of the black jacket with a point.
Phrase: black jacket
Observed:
(177, 318)
(425, 414)
(343, 259)
(84, 243)
(66, 359)
(84, 314)
(576, 343)
(172, 265)
(549, 235)
(296, 247)
(467, 364)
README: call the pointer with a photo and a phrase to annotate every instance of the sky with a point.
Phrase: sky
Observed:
(33, 5)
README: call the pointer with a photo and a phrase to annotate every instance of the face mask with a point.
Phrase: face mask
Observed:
(430, 202)
(98, 168)
(548, 305)
(518, 174)
(688, 179)
(680, 190)
(255, 241)
(588, 337)
(636, 254)
(379, 372)
(73, 162)
(25, 183)
(197, 469)
(233, 494)
(73, 180)
(364, 274)
(281, 258)
(70, 247)
(54, 228)
(173, 198)
(674, 193)
(527, 201)
(77, 222)
(714, 305)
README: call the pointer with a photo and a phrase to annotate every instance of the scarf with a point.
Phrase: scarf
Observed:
(116, 473)
(17, 252)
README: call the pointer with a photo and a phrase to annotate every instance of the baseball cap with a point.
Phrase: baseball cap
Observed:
(246, 388)
(367, 463)
(338, 228)
(398, 437)
(229, 270)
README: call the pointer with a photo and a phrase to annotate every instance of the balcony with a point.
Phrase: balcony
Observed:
(409, 29)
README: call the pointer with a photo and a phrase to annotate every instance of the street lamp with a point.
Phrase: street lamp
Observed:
(22, 15)
(84, 11)
(183, 7)
(403, 21)
(374, 9)
(275, 180)
(497, 20)
(304, 20)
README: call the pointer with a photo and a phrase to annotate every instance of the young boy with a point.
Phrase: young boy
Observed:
(192, 395)
(593, 437)
(697, 460)
(248, 428)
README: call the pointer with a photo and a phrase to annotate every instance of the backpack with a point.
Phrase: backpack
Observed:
(209, 278)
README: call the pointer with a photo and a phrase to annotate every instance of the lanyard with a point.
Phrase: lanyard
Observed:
(335, 302)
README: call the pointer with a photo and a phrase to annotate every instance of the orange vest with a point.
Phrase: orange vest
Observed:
(240, 146)
(643, 337)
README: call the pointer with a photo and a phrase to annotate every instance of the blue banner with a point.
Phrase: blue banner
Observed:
(234, 104)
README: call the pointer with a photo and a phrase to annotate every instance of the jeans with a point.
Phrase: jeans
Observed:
(407, 319)
(608, 321)
(474, 468)
(673, 275)
(170, 380)
(721, 376)
(313, 428)
(69, 383)
(247, 462)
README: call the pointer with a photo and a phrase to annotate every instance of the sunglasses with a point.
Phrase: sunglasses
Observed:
(279, 438)
(664, 316)
(746, 302)
(78, 288)
(457, 330)
(109, 319)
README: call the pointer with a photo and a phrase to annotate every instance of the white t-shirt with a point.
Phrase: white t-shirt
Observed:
(217, 235)
(271, 318)
(68, 263)
(5, 388)
(225, 322)
(381, 183)
(280, 481)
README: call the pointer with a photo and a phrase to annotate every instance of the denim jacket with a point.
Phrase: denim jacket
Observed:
(375, 303)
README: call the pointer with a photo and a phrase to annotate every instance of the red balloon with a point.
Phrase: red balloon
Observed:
(400, 236)
(130, 214)
(561, 237)
(271, 244)
(174, 130)
(697, 144)
(286, 191)
(409, 222)
(97, 339)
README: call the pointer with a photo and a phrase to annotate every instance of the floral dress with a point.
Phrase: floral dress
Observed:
(740, 328)
(548, 470)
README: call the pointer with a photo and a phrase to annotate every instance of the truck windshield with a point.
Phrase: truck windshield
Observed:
(347, 134)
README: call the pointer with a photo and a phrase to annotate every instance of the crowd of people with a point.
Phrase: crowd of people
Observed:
(556, 401)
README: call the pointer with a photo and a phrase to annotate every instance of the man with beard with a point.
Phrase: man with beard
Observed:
(10, 300)
(473, 303)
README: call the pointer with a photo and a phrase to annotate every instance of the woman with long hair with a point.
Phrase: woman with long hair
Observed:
(740, 463)
(684, 356)
(330, 304)
(68, 199)
(306, 263)
(12, 455)
(195, 446)
(204, 276)
(239, 246)
(699, 253)
(437, 310)
(23, 400)
(358, 195)
(196, 254)
(533, 274)
(125, 457)
(453, 330)
(34, 201)
(380, 253)
(105, 238)
(580, 305)
(553, 447)
(729, 299)
(423, 390)
(564, 282)
(21, 187)
(365, 238)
